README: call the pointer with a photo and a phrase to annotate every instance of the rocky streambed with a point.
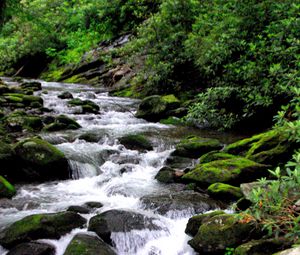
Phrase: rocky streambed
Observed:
(91, 178)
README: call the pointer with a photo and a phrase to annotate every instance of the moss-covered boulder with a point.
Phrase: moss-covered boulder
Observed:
(168, 175)
(38, 160)
(32, 248)
(39, 226)
(214, 155)
(32, 85)
(222, 231)
(17, 99)
(224, 192)
(111, 221)
(262, 247)
(196, 221)
(18, 121)
(194, 147)
(181, 201)
(271, 147)
(136, 142)
(83, 244)
(87, 106)
(65, 95)
(7, 190)
(61, 122)
(230, 171)
(155, 108)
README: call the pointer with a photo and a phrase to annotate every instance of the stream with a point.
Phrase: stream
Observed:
(105, 171)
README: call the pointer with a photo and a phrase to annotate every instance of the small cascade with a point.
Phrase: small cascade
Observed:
(103, 170)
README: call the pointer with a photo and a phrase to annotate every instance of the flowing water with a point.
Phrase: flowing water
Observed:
(96, 172)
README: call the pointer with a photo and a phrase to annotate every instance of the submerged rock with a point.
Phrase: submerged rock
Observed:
(194, 147)
(38, 160)
(221, 231)
(32, 248)
(182, 201)
(106, 223)
(61, 122)
(87, 106)
(7, 190)
(39, 226)
(83, 244)
(136, 142)
(231, 171)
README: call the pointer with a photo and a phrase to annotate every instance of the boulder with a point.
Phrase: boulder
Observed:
(6, 157)
(224, 192)
(155, 108)
(194, 147)
(181, 163)
(119, 221)
(7, 190)
(196, 221)
(33, 85)
(262, 247)
(222, 231)
(40, 226)
(78, 209)
(93, 205)
(83, 244)
(292, 251)
(186, 200)
(38, 160)
(62, 122)
(168, 175)
(87, 106)
(136, 142)
(271, 147)
(32, 248)
(230, 171)
(65, 95)
(214, 155)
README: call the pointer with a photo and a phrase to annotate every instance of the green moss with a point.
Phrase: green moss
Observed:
(136, 142)
(33, 123)
(37, 151)
(170, 99)
(224, 191)
(194, 147)
(234, 170)
(172, 121)
(126, 92)
(270, 147)
(214, 155)
(6, 189)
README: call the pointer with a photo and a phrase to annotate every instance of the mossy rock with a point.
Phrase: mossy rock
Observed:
(18, 121)
(181, 163)
(33, 85)
(194, 147)
(262, 247)
(214, 155)
(33, 248)
(86, 105)
(6, 158)
(83, 244)
(224, 192)
(168, 175)
(230, 171)
(172, 121)
(196, 221)
(155, 108)
(61, 122)
(27, 100)
(40, 226)
(271, 147)
(65, 95)
(222, 231)
(136, 142)
(7, 190)
(38, 160)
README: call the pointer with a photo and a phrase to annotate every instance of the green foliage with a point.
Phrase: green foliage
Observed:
(276, 203)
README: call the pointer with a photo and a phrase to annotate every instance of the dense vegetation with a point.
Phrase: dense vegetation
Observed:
(241, 58)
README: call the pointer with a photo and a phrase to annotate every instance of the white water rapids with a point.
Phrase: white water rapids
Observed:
(96, 173)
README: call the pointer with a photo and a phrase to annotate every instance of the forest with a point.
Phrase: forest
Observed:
(224, 75)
